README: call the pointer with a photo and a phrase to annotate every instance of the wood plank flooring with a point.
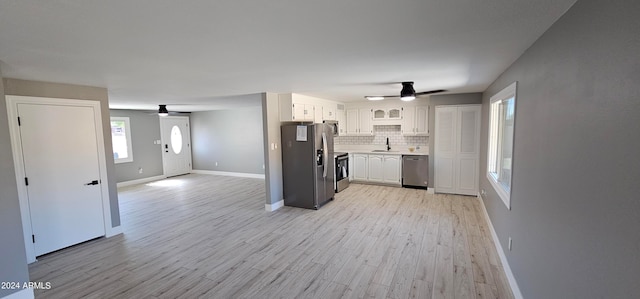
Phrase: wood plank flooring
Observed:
(202, 236)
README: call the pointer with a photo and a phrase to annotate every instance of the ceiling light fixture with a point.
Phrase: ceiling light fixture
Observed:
(163, 110)
(374, 98)
(407, 93)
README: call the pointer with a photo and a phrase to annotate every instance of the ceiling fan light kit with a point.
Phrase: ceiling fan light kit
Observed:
(162, 111)
(406, 94)
(374, 98)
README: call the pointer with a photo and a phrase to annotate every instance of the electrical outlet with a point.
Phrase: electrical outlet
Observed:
(262, 166)
(216, 163)
(482, 192)
(139, 169)
(510, 243)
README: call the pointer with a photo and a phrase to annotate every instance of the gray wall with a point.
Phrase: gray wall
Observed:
(145, 129)
(447, 99)
(575, 217)
(68, 91)
(233, 138)
(273, 157)
(13, 259)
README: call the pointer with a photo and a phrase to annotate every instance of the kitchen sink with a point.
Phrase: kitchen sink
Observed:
(383, 151)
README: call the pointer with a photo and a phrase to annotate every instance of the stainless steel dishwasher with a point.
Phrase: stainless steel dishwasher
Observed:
(415, 171)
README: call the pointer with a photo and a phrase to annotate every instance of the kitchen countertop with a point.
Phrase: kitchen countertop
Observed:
(424, 151)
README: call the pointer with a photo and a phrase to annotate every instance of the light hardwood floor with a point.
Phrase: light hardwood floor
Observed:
(201, 236)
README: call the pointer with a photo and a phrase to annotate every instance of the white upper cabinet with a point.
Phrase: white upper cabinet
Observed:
(386, 114)
(366, 127)
(415, 121)
(359, 121)
(329, 111)
(341, 117)
(297, 107)
(292, 108)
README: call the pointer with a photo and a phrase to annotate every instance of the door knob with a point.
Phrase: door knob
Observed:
(94, 182)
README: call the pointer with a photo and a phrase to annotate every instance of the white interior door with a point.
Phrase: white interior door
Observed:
(176, 145)
(62, 173)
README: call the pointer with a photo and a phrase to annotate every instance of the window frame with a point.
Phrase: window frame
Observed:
(494, 140)
(127, 133)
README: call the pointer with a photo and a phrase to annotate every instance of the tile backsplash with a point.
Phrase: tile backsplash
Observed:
(381, 133)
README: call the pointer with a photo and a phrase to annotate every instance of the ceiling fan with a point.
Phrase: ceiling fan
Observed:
(162, 111)
(406, 94)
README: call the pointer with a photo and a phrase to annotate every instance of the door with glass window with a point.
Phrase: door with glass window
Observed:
(176, 145)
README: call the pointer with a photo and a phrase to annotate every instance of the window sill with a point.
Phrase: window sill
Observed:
(504, 196)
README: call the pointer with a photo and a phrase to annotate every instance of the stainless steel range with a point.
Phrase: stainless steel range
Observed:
(341, 171)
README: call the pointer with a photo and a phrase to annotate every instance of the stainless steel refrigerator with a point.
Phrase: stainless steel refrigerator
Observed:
(307, 165)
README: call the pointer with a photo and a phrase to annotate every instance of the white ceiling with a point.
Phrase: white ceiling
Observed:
(150, 52)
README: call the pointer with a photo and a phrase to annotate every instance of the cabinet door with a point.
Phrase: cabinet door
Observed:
(468, 150)
(352, 122)
(391, 169)
(299, 112)
(364, 119)
(445, 169)
(351, 169)
(408, 122)
(315, 113)
(375, 168)
(342, 122)
(329, 112)
(394, 113)
(422, 120)
(360, 169)
(379, 114)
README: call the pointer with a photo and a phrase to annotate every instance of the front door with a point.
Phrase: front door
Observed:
(176, 145)
(61, 165)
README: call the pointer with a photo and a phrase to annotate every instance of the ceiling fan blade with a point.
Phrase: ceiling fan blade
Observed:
(429, 92)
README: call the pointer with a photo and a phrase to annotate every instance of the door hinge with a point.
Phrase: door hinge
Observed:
(26, 181)
(33, 238)
(19, 124)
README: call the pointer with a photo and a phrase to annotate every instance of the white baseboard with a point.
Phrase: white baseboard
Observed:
(274, 206)
(236, 174)
(431, 190)
(114, 231)
(22, 294)
(503, 258)
(141, 181)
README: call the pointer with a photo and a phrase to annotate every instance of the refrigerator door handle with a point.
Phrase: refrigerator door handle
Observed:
(325, 151)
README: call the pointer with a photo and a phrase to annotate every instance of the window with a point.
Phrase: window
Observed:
(500, 154)
(121, 137)
(176, 140)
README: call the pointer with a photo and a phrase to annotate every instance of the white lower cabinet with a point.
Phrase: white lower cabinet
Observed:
(360, 167)
(377, 168)
(391, 169)
(376, 171)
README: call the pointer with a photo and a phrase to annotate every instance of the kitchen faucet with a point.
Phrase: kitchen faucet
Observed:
(388, 147)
